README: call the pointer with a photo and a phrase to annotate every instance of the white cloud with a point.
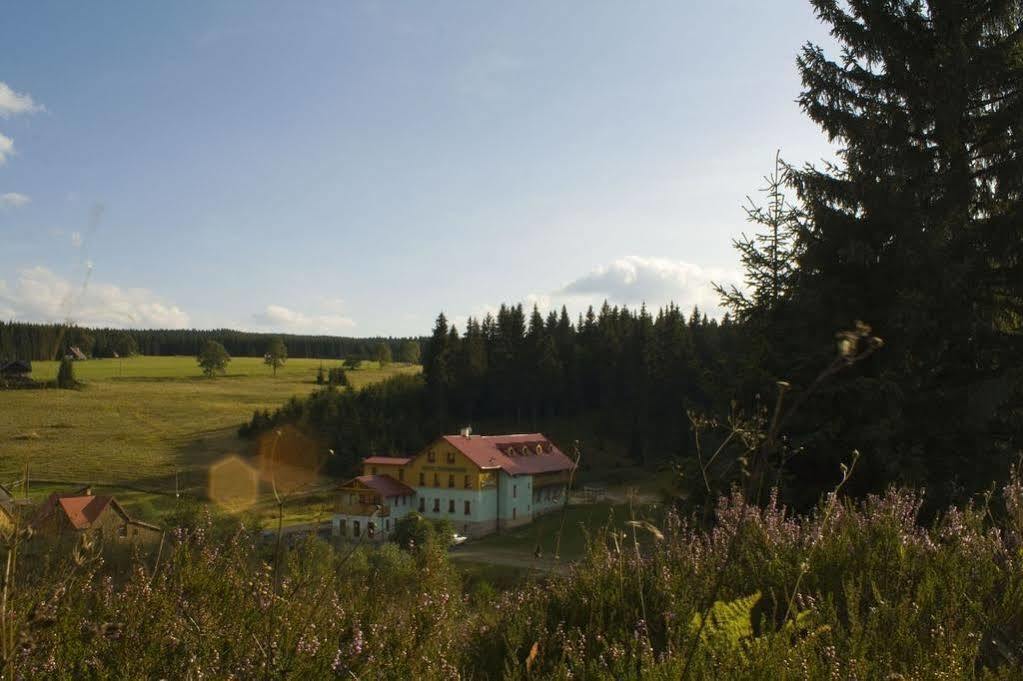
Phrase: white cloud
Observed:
(280, 318)
(13, 103)
(13, 200)
(634, 280)
(39, 294)
(6, 148)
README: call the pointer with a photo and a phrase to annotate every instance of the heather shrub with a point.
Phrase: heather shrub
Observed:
(213, 609)
(853, 590)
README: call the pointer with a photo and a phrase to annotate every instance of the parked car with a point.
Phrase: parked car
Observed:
(457, 539)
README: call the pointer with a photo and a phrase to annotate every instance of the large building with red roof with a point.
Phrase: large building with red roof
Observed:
(481, 483)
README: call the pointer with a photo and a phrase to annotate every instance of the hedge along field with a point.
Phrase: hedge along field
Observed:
(141, 420)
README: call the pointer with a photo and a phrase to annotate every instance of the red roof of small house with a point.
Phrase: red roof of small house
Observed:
(525, 454)
(82, 512)
(384, 485)
(388, 460)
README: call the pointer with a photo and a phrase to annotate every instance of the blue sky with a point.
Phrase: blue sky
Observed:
(355, 168)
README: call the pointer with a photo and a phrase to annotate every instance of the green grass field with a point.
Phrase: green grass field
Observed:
(142, 421)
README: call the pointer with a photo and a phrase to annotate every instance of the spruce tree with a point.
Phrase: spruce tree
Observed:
(918, 231)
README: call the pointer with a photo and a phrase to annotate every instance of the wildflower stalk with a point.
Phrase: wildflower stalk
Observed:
(853, 346)
(828, 511)
(639, 569)
(564, 506)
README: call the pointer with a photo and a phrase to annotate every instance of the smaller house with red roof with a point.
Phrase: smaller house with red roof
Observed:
(480, 483)
(370, 505)
(70, 514)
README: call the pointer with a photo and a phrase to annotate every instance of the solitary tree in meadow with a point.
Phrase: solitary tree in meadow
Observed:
(213, 358)
(352, 364)
(276, 354)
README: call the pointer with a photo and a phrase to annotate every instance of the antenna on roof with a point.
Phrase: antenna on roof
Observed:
(467, 432)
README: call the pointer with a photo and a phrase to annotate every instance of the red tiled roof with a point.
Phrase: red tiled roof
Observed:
(384, 485)
(83, 511)
(388, 460)
(525, 454)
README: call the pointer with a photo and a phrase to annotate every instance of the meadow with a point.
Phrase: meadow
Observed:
(146, 423)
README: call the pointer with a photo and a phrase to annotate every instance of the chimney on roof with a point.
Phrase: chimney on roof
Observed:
(467, 432)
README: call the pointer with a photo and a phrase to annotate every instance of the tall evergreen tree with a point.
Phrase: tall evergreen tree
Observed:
(767, 257)
(438, 368)
(918, 231)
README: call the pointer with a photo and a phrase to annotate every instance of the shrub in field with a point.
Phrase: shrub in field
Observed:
(336, 377)
(66, 374)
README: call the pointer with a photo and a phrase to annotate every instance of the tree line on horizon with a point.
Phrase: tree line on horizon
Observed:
(36, 341)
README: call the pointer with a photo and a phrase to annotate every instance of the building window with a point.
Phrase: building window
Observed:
(451, 481)
(430, 456)
(451, 457)
(371, 529)
(373, 470)
(342, 527)
(422, 504)
(515, 491)
(356, 529)
(467, 511)
(436, 505)
(467, 483)
(422, 479)
(401, 474)
(513, 513)
(436, 480)
(387, 524)
(451, 505)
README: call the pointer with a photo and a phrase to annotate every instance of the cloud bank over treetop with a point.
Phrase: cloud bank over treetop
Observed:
(38, 294)
(287, 320)
(634, 280)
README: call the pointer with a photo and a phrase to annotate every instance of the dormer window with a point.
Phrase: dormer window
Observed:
(451, 457)
(431, 456)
